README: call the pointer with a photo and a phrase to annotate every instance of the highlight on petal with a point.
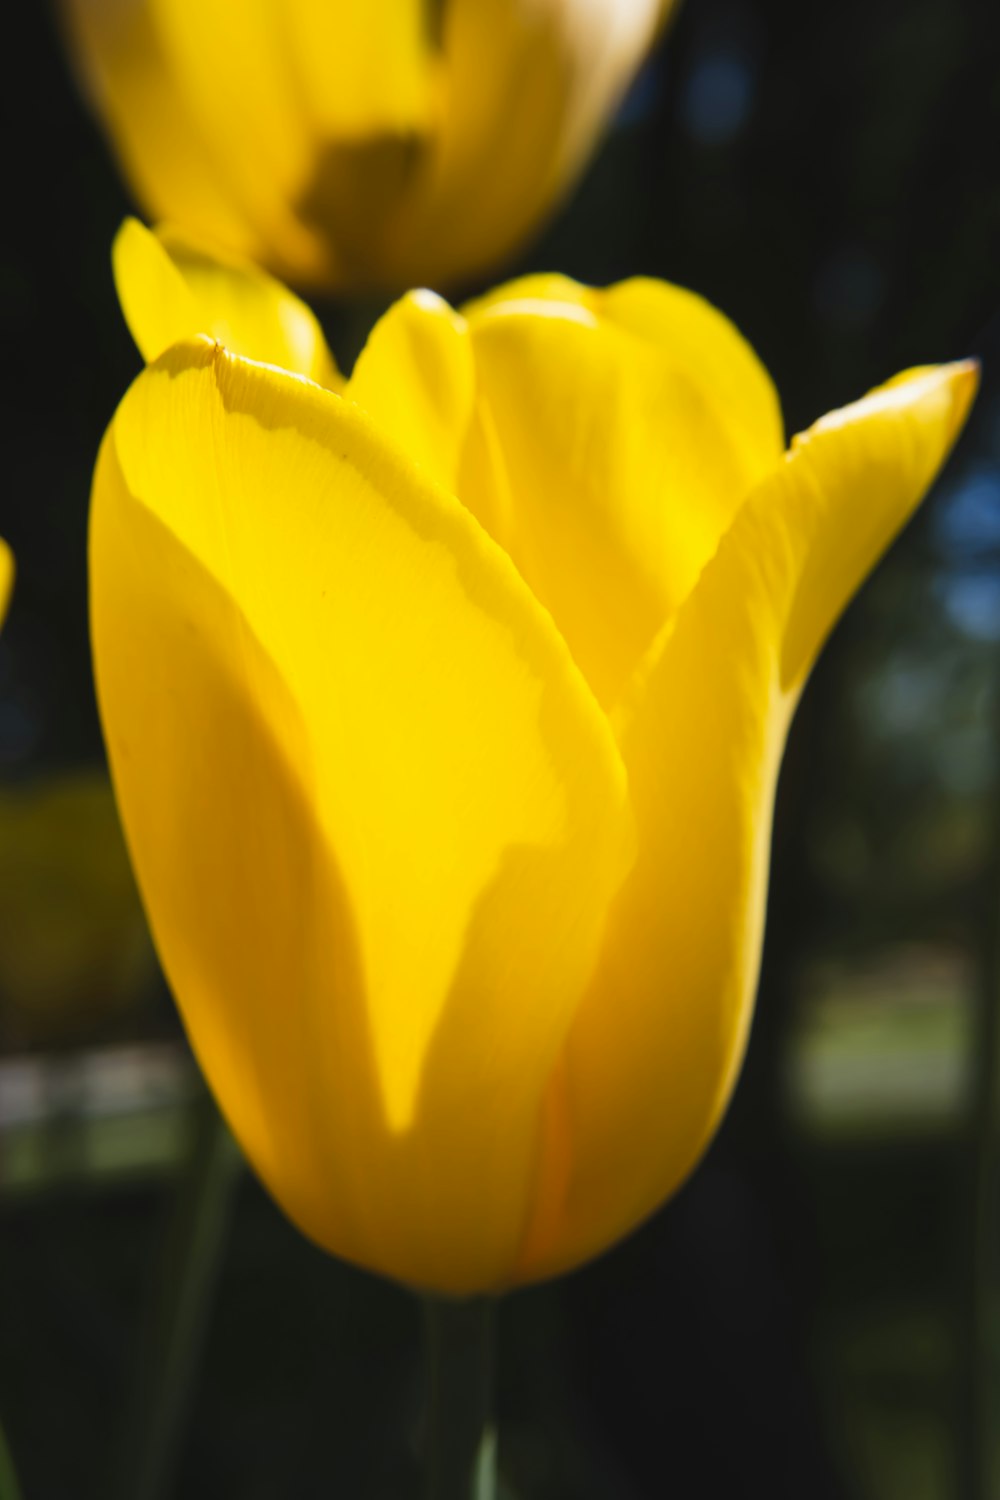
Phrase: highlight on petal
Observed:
(171, 289)
(415, 377)
(656, 1045)
(375, 814)
(608, 462)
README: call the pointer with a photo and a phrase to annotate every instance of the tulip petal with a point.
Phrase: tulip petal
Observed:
(245, 105)
(126, 68)
(415, 378)
(528, 90)
(656, 1045)
(360, 72)
(171, 290)
(692, 333)
(617, 463)
(340, 105)
(375, 814)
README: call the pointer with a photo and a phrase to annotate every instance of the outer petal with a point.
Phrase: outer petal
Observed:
(172, 82)
(375, 815)
(341, 101)
(415, 377)
(656, 1045)
(126, 69)
(615, 462)
(171, 289)
(262, 149)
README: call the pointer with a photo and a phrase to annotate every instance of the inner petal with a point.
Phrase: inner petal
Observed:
(605, 471)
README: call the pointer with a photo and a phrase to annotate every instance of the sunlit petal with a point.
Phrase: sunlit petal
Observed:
(375, 814)
(415, 377)
(656, 1045)
(170, 290)
(615, 460)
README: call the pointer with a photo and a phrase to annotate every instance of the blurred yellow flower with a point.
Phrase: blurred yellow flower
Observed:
(74, 946)
(6, 579)
(445, 716)
(358, 145)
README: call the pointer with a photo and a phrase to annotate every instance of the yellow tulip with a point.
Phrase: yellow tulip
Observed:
(358, 145)
(6, 579)
(445, 716)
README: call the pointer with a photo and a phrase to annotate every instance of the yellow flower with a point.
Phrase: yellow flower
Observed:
(365, 144)
(6, 579)
(445, 716)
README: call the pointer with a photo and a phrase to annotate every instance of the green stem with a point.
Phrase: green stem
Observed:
(461, 1435)
(9, 1487)
(977, 1282)
(188, 1278)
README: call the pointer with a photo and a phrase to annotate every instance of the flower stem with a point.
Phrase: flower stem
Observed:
(185, 1295)
(977, 1291)
(460, 1434)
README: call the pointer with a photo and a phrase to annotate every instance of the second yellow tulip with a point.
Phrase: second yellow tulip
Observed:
(382, 144)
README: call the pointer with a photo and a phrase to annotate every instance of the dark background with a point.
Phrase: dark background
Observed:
(815, 1314)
